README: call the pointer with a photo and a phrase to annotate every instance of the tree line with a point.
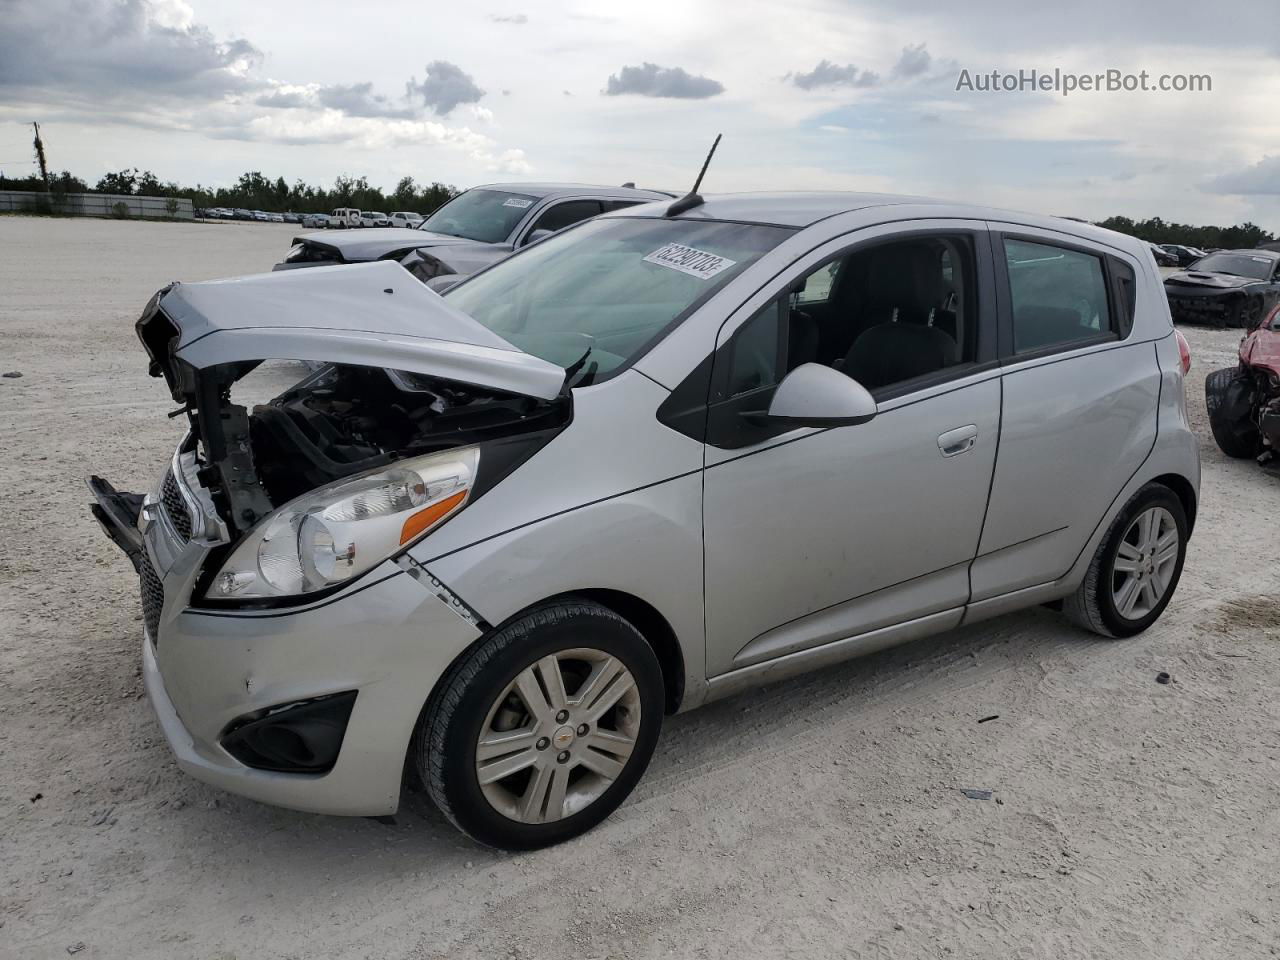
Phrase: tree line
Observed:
(253, 191)
(1155, 230)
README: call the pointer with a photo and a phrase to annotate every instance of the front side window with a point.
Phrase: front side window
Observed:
(1058, 296)
(884, 313)
(487, 216)
(605, 291)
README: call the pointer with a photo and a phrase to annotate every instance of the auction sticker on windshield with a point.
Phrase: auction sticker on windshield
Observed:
(518, 202)
(690, 260)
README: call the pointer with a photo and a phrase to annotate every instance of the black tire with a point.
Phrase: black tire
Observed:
(1093, 606)
(444, 749)
(1228, 398)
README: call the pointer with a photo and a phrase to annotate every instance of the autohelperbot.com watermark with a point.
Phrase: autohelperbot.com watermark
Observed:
(1066, 82)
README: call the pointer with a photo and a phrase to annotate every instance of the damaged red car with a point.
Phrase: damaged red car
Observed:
(1244, 401)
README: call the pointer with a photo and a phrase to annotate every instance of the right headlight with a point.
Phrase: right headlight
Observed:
(340, 531)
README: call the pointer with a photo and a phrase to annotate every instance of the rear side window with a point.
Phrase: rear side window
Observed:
(1058, 295)
(566, 214)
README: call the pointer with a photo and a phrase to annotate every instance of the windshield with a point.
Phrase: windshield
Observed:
(612, 286)
(488, 216)
(1236, 264)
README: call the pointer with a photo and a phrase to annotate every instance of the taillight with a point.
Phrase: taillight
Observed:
(1184, 351)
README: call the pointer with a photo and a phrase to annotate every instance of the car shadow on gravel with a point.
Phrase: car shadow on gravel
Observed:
(875, 690)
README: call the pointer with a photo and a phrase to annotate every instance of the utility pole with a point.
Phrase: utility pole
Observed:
(44, 170)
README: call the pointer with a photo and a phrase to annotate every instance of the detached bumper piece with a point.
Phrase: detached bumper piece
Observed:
(292, 738)
(117, 514)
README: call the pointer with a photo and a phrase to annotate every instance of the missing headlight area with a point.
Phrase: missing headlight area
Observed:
(350, 465)
(345, 420)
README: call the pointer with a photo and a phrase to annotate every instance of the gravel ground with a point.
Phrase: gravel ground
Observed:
(816, 818)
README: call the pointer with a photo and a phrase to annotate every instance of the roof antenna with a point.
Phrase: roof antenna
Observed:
(692, 199)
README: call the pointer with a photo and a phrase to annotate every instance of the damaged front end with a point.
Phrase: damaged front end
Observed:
(1244, 401)
(415, 413)
(1218, 300)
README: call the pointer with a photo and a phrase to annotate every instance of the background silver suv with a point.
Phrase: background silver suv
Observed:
(476, 228)
(649, 462)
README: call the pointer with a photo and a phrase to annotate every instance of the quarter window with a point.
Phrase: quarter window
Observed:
(1058, 295)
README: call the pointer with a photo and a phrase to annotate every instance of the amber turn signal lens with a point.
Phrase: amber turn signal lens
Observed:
(427, 518)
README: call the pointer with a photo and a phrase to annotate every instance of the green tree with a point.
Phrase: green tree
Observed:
(123, 181)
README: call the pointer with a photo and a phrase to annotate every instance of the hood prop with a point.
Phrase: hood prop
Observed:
(692, 198)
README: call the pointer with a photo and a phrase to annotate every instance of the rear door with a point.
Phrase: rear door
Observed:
(1078, 415)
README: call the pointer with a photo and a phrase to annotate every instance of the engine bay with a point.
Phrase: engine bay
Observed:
(343, 420)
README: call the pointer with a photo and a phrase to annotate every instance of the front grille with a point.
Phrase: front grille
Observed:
(152, 597)
(175, 507)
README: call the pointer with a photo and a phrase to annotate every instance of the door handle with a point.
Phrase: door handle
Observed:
(957, 441)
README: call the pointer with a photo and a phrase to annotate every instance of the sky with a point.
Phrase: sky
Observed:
(812, 94)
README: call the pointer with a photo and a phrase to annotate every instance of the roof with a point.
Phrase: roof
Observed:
(804, 209)
(573, 189)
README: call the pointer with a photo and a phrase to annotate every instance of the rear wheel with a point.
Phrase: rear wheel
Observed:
(1228, 397)
(1136, 568)
(544, 728)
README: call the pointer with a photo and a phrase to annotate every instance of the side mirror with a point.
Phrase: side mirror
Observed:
(812, 395)
(537, 235)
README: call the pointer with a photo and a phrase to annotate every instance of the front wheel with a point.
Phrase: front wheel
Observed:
(1136, 568)
(544, 728)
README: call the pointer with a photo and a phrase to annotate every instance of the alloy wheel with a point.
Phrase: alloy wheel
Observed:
(558, 736)
(1145, 562)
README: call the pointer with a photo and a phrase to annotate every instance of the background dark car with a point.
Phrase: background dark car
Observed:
(1231, 288)
(1163, 257)
(1185, 255)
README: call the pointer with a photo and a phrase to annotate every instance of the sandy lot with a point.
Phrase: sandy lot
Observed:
(816, 818)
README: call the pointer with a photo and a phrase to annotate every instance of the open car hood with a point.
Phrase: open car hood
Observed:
(368, 314)
(1211, 281)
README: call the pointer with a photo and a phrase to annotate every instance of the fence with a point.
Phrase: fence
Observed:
(95, 204)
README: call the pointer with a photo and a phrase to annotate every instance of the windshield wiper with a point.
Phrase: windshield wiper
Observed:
(572, 370)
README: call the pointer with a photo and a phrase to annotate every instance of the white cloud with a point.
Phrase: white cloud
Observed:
(333, 127)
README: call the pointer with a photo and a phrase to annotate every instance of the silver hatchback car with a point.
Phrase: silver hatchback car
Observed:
(657, 459)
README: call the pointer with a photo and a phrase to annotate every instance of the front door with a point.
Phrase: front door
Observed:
(816, 535)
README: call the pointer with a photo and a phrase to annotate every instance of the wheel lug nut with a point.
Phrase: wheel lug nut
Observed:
(562, 716)
(544, 743)
(582, 730)
(563, 757)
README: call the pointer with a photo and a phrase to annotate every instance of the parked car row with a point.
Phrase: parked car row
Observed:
(650, 454)
(240, 213)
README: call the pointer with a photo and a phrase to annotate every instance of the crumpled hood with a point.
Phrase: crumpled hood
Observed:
(368, 314)
(1209, 281)
(373, 243)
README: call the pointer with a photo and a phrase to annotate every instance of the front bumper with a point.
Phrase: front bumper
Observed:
(389, 637)
(390, 642)
(1215, 308)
